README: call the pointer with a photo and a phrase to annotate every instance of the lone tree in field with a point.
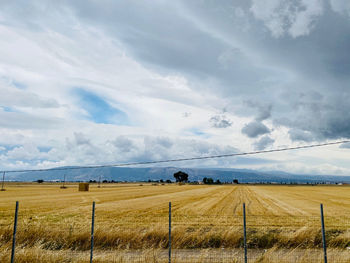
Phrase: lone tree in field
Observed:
(181, 176)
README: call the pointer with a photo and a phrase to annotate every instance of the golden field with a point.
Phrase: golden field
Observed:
(132, 222)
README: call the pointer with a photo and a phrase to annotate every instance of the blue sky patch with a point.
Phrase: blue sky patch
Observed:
(44, 149)
(6, 148)
(7, 109)
(19, 85)
(99, 110)
(198, 132)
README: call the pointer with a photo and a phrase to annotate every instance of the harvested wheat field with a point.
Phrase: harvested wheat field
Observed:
(131, 223)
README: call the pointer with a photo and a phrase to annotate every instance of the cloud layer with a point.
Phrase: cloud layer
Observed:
(86, 82)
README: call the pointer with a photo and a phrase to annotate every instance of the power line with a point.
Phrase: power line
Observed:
(178, 160)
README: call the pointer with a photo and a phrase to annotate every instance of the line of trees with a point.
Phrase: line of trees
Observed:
(179, 177)
(210, 181)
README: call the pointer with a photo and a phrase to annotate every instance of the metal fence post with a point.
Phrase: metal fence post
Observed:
(92, 231)
(14, 235)
(169, 232)
(323, 235)
(245, 234)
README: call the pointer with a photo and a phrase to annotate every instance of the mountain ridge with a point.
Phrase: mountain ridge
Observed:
(132, 174)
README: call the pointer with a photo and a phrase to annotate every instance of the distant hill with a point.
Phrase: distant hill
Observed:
(165, 173)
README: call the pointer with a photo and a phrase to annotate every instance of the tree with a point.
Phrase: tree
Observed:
(208, 180)
(40, 181)
(235, 181)
(181, 176)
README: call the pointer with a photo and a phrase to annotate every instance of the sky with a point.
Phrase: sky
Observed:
(89, 82)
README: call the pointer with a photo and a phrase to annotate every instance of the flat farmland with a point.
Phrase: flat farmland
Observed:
(132, 222)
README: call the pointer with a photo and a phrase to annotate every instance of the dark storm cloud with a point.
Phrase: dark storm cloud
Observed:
(263, 143)
(260, 110)
(161, 35)
(155, 33)
(299, 135)
(326, 118)
(255, 129)
(316, 61)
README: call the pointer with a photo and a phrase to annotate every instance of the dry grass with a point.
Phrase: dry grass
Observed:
(38, 255)
(130, 218)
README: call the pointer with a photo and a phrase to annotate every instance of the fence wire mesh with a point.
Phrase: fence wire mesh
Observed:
(195, 237)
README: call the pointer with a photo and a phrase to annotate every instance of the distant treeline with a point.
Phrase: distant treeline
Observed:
(182, 177)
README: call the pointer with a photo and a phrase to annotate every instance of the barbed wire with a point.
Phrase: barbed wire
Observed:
(176, 160)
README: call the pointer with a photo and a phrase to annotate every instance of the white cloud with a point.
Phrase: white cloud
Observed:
(269, 13)
(296, 18)
(26, 153)
(305, 20)
(18, 120)
(11, 97)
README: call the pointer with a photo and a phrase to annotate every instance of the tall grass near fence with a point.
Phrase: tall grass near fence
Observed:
(75, 236)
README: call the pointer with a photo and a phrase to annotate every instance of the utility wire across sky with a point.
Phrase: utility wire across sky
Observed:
(177, 160)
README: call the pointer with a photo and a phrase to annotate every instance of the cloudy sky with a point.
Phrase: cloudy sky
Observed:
(97, 82)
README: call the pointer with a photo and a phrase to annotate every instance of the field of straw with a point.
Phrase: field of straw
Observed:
(131, 223)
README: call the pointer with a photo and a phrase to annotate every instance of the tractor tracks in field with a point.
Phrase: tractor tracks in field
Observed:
(224, 204)
(272, 205)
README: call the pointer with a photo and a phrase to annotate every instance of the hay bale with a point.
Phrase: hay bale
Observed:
(83, 186)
